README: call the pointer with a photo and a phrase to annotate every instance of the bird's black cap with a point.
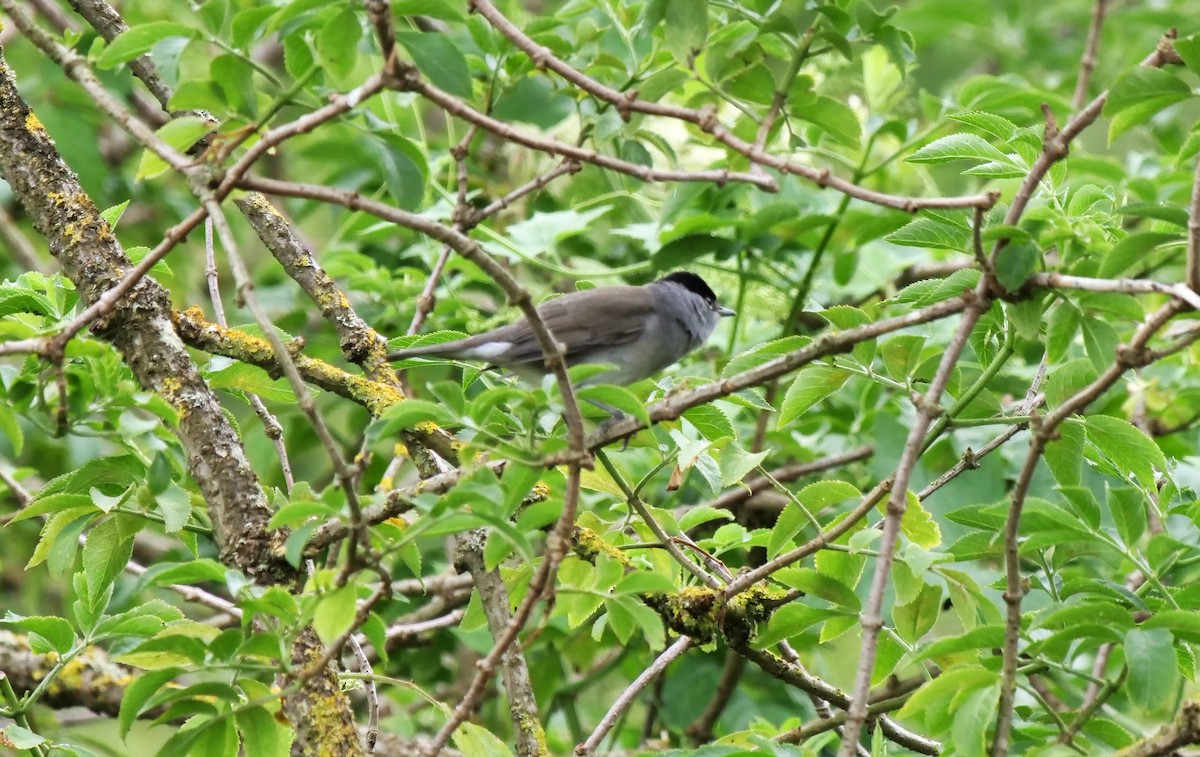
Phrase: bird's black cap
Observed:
(693, 284)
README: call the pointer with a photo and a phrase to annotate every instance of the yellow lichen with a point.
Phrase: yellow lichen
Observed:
(33, 123)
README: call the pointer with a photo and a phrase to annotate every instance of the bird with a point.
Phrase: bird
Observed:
(638, 330)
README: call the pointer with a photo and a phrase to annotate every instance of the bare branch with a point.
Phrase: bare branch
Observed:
(622, 703)
(1087, 63)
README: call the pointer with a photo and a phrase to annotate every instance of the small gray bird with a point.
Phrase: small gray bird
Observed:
(638, 330)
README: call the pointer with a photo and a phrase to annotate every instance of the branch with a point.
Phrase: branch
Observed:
(1193, 227)
(631, 692)
(705, 119)
(872, 620)
(1166, 740)
(522, 704)
(1129, 356)
(1088, 62)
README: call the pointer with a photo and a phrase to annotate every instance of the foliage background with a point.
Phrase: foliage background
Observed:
(928, 99)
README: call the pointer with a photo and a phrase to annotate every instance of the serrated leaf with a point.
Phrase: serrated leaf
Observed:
(1128, 506)
(701, 514)
(1015, 264)
(1130, 450)
(686, 28)
(334, 614)
(984, 637)
(438, 59)
(180, 133)
(57, 631)
(608, 396)
(919, 525)
(763, 354)
(915, 619)
(961, 146)
(1142, 84)
(1150, 659)
(812, 582)
(241, 377)
(409, 414)
(736, 463)
(138, 40)
(810, 386)
(1132, 250)
(710, 421)
(931, 234)
(337, 43)
(998, 126)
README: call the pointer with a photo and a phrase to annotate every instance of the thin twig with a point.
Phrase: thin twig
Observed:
(705, 119)
(631, 692)
(1087, 63)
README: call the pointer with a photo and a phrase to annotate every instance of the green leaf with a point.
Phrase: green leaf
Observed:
(21, 300)
(438, 59)
(901, 354)
(409, 414)
(1141, 86)
(1015, 264)
(1128, 508)
(915, 619)
(1188, 50)
(337, 43)
(961, 146)
(812, 385)
(57, 631)
(138, 693)
(534, 100)
(828, 588)
(710, 421)
(191, 572)
(919, 525)
(443, 9)
(476, 741)
(617, 397)
(686, 28)
(645, 582)
(791, 621)
(764, 353)
(138, 40)
(175, 504)
(974, 712)
(983, 637)
(335, 613)
(16, 737)
(1150, 659)
(1171, 212)
(1130, 450)
(736, 463)
(408, 169)
(242, 377)
(55, 503)
(998, 126)
(701, 514)
(1061, 330)
(1183, 624)
(180, 133)
(260, 732)
(1081, 499)
(935, 701)
(1132, 250)
(235, 77)
(928, 233)
(834, 117)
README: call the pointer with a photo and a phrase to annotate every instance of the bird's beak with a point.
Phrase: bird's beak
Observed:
(724, 311)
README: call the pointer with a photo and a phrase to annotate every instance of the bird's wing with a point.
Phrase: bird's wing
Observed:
(582, 322)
